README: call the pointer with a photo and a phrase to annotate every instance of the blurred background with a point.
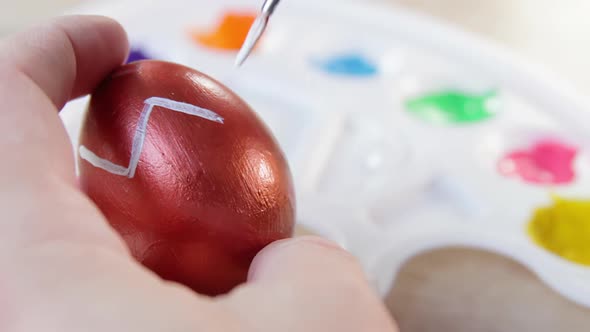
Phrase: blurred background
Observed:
(457, 289)
(550, 32)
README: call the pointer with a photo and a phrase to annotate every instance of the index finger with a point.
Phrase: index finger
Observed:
(65, 58)
(40, 69)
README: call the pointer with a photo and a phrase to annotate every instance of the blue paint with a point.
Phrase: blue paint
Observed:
(137, 54)
(353, 65)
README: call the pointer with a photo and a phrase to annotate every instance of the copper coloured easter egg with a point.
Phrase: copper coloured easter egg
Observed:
(186, 172)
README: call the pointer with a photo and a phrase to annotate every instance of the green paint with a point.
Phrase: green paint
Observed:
(452, 107)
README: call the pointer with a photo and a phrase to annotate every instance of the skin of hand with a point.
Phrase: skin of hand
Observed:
(62, 268)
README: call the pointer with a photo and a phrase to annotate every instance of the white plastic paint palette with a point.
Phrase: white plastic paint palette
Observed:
(369, 174)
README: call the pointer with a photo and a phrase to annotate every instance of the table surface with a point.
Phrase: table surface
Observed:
(458, 289)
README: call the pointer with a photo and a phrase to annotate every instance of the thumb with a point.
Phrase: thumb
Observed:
(309, 284)
(300, 258)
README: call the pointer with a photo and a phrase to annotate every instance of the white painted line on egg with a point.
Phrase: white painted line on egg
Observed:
(140, 134)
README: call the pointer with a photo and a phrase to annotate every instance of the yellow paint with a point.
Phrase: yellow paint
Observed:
(564, 229)
(229, 35)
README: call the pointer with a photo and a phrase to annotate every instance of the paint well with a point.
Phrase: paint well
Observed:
(137, 54)
(564, 229)
(229, 34)
(453, 107)
(352, 65)
(546, 162)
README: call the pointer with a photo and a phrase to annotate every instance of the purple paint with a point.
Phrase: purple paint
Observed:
(137, 54)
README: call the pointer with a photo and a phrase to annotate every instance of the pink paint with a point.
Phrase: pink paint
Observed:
(546, 162)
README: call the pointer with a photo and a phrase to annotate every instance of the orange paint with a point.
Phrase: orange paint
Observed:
(229, 35)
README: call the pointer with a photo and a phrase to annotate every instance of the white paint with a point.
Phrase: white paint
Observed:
(140, 134)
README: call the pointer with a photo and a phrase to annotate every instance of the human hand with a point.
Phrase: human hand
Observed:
(62, 268)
